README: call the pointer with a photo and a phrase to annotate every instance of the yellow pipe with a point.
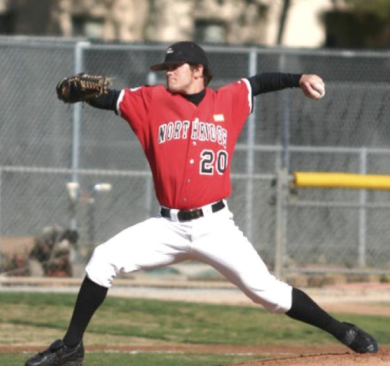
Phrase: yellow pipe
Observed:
(341, 180)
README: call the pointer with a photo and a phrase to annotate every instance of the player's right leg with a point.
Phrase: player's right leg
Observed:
(58, 355)
(153, 243)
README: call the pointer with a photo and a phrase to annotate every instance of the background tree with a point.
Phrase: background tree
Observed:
(380, 8)
(362, 24)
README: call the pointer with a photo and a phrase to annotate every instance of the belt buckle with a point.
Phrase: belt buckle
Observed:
(189, 215)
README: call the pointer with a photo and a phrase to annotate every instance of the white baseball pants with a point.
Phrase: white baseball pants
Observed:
(213, 239)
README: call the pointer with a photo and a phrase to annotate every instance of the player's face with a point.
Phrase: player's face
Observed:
(183, 79)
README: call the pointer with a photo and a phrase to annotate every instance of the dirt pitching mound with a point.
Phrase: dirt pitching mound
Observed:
(382, 358)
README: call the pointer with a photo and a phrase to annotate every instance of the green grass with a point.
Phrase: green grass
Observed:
(165, 322)
(175, 322)
(123, 359)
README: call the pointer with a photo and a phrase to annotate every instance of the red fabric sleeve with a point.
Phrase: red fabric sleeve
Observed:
(241, 97)
(133, 106)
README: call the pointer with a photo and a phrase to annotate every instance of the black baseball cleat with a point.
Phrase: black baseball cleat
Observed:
(58, 355)
(358, 340)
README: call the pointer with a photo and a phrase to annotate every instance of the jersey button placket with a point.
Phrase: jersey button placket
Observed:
(188, 180)
(190, 170)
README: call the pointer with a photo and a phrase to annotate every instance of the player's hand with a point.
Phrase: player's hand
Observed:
(312, 86)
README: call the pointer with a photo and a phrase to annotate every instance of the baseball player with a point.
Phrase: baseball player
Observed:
(188, 133)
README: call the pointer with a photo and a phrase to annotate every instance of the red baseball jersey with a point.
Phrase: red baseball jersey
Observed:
(189, 147)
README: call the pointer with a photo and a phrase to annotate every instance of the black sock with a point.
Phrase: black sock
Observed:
(90, 297)
(306, 310)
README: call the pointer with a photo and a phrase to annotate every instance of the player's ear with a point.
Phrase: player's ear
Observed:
(198, 70)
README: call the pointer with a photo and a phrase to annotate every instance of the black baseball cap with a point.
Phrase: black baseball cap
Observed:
(183, 52)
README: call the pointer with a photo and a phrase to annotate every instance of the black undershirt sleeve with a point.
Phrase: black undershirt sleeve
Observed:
(273, 81)
(106, 101)
(260, 83)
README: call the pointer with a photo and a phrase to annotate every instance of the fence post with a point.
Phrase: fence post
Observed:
(281, 194)
(282, 178)
(77, 118)
(252, 69)
(1, 202)
(149, 191)
(362, 212)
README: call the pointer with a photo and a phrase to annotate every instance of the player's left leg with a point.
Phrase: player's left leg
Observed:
(222, 245)
(228, 250)
(304, 309)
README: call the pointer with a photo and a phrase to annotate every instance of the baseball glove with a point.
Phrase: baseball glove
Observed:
(81, 87)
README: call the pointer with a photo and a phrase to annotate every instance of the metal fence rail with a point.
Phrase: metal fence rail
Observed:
(44, 146)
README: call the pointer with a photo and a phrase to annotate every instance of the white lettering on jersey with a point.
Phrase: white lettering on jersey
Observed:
(200, 131)
(186, 125)
(195, 127)
(177, 130)
(212, 132)
(170, 131)
(162, 131)
(219, 134)
(224, 138)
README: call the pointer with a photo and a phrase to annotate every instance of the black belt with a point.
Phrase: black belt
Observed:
(188, 215)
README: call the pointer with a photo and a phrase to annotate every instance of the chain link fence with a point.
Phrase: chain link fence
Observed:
(65, 169)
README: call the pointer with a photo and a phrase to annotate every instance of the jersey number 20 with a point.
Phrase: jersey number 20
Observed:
(208, 159)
